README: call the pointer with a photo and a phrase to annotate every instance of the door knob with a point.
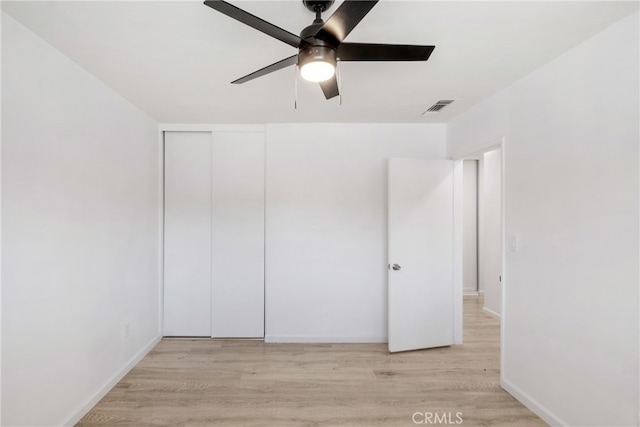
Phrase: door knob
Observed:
(396, 267)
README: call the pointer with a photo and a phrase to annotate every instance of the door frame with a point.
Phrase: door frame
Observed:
(474, 153)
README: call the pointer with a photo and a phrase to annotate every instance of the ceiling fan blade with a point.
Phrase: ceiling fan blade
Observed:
(344, 19)
(330, 87)
(254, 22)
(292, 60)
(383, 52)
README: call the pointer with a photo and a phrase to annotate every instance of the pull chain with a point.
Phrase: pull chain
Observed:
(339, 79)
(295, 97)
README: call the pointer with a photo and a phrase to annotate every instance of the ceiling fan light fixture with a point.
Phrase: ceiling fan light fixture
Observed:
(317, 71)
(317, 63)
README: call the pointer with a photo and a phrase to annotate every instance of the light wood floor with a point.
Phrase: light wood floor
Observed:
(250, 383)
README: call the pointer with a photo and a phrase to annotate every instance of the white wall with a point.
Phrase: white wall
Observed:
(480, 222)
(571, 174)
(490, 233)
(480, 128)
(470, 226)
(80, 220)
(326, 226)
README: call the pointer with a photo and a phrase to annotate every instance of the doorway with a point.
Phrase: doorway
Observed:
(481, 227)
(470, 252)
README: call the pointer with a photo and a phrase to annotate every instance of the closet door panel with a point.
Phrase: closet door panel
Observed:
(187, 234)
(238, 235)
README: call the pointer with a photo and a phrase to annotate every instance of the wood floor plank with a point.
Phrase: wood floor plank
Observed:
(195, 383)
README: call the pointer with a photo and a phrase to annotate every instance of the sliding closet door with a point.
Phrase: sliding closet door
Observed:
(214, 234)
(237, 304)
(187, 234)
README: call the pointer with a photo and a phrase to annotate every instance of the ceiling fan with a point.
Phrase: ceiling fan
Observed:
(320, 45)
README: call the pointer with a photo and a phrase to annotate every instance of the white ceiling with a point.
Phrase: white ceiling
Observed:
(174, 60)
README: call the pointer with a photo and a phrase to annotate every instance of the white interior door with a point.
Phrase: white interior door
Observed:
(237, 305)
(420, 247)
(187, 234)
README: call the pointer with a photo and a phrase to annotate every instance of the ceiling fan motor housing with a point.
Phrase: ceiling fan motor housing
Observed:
(315, 49)
(317, 53)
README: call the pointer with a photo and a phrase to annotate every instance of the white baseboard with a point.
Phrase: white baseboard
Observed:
(480, 292)
(491, 313)
(470, 292)
(112, 382)
(532, 404)
(332, 340)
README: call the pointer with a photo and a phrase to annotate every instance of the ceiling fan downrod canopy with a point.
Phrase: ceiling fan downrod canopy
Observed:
(321, 44)
(318, 7)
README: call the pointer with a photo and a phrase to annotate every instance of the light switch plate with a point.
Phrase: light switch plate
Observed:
(513, 243)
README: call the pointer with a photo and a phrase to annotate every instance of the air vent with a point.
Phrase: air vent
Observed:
(438, 106)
